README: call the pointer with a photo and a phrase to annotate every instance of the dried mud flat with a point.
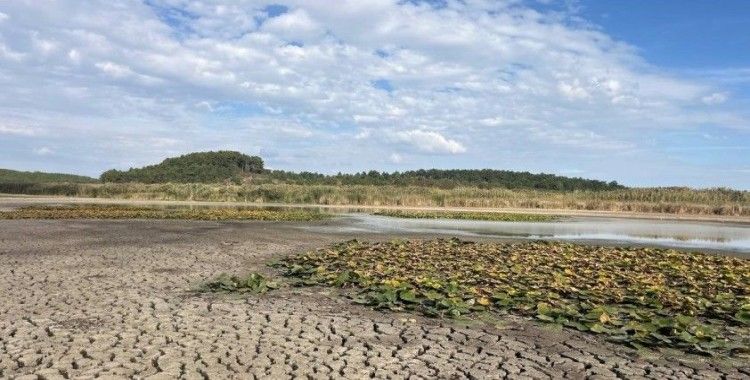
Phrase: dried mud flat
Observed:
(86, 299)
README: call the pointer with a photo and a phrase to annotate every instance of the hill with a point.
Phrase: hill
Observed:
(447, 179)
(202, 167)
(223, 166)
(14, 176)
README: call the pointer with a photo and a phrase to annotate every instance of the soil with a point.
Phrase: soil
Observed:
(94, 298)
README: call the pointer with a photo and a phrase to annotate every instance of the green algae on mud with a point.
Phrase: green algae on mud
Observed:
(143, 212)
(693, 302)
(468, 215)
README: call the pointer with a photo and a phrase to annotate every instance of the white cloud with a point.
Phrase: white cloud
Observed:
(114, 69)
(428, 141)
(572, 90)
(18, 130)
(715, 98)
(10, 54)
(43, 151)
(482, 74)
(74, 55)
(396, 158)
(293, 25)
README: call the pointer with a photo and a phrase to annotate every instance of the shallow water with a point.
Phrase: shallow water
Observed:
(693, 235)
(673, 234)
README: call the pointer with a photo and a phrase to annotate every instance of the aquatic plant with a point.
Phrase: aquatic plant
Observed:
(638, 296)
(468, 215)
(147, 212)
(252, 283)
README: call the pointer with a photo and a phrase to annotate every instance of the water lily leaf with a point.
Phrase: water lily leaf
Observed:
(636, 296)
(598, 328)
(407, 295)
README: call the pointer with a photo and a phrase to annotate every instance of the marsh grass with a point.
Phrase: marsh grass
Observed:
(647, 200)
(468, 215)
(134, 212)
(641, 297)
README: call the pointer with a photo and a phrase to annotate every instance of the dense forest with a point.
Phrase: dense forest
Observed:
(13, 176)
(202, 167)
(226, 166)
(235, 167)
(446, 179)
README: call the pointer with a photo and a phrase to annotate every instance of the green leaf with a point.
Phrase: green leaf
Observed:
(407, 295)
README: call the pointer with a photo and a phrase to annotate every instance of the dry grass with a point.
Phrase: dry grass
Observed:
(648, 200)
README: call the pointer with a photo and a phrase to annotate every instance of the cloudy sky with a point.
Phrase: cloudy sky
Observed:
(642, 92)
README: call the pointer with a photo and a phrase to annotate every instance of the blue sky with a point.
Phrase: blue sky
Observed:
(648, 93)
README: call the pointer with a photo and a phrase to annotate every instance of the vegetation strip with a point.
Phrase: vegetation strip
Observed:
(694, 302)
(468, 215)
(676, 201)
(134, 212)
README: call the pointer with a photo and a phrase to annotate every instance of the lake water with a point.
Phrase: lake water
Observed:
(692, 235)
(674, 234)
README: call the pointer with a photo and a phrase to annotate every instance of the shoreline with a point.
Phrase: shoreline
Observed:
(15, 200)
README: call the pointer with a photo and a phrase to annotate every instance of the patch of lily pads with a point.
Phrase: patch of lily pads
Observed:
(468, 215)
(694, 302)
(89, 211)
(252, 283)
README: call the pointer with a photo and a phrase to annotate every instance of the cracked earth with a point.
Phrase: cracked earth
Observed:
(112, 299)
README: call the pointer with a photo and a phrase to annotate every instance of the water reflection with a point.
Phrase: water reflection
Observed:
(676, 234)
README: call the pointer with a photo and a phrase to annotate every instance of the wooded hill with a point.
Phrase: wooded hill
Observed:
(202, 167)
(14, 176)
(223, 166)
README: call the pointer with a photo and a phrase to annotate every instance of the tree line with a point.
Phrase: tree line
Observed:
(236, 167)
(451, 178)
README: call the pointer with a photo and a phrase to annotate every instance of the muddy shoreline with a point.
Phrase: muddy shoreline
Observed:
(113, 298)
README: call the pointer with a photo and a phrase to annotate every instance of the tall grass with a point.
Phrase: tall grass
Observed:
(647, 200)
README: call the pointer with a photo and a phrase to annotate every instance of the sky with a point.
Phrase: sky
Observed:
(647, 93)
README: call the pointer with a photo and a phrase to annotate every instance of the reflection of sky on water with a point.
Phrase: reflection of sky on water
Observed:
(677, 234)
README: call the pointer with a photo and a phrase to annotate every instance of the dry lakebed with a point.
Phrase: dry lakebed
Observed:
(107, 298)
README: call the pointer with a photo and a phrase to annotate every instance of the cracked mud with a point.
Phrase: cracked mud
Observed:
(86, 299)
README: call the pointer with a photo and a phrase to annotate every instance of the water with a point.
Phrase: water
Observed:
(673, 234)
(730, 237)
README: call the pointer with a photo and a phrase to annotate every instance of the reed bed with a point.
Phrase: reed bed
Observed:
(646, 200)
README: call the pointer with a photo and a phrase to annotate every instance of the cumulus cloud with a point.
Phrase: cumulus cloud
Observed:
(296, 77)
(428, 141)
(293, 25)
